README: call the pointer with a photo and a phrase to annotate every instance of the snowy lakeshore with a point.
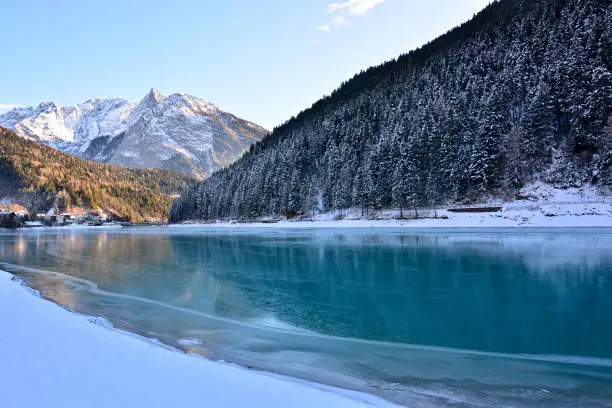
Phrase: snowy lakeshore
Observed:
(498, 220)
(54, 358)
(542, 207)
(522, 215)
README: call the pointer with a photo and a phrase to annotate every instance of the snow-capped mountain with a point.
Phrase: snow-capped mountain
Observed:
(179, 132)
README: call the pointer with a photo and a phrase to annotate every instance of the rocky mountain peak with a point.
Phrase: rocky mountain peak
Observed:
(179, 132)
(154, 97)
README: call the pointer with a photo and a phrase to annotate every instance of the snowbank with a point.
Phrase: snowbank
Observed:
(540, 216)
(53, 358)
(541, 205)
(484, 221)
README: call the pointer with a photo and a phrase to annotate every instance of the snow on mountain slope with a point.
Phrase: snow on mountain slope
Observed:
(178, 132)
(52, 123)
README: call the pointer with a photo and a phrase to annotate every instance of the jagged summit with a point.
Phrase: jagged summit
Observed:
(179, 132)
(154, 97)
(48, 106)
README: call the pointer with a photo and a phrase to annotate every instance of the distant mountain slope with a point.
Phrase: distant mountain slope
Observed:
(521, 92)
(178, 132)
(39, 177)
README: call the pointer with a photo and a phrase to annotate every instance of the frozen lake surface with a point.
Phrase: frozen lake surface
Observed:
(428, 318)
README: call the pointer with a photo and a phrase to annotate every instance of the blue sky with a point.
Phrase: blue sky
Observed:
(263, 60)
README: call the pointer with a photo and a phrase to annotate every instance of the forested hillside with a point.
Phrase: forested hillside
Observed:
(39, 177)
(521, 92)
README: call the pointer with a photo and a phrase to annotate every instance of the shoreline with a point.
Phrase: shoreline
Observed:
(88, 344)
(599, 222)
(456, 222)
(541, 206)
(448, 221)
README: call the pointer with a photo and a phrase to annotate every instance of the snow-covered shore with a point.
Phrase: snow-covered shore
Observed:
(53, 358)
(517, 216)
(472, 221)
(542, 207)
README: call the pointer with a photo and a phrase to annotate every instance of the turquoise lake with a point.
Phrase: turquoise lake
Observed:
(458, 318)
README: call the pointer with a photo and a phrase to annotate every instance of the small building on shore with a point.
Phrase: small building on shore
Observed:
(9, 219)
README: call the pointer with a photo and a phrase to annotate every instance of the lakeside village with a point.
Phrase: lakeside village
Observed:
(21, 219)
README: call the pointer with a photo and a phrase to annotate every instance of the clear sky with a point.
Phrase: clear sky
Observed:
(263, 60)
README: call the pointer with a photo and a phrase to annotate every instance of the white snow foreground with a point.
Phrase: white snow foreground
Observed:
(50, 357)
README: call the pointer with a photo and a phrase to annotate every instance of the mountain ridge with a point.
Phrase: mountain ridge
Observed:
(179, 132)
